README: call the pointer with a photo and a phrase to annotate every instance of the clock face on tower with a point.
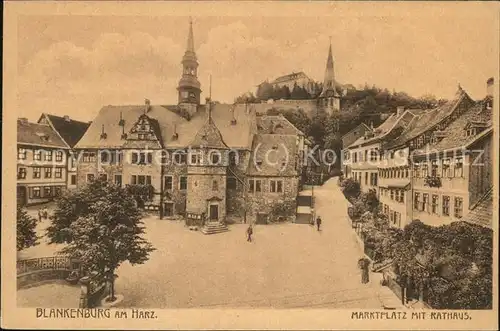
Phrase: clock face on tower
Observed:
(184, 94)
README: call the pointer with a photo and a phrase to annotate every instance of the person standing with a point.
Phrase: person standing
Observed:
(249, 233)
(39, 215)
(318, 222)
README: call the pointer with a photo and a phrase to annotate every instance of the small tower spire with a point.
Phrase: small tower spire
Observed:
(190, 42)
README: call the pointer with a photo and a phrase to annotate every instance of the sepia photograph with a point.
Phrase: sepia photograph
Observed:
(265, 158)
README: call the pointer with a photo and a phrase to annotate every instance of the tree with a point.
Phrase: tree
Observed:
(102, 227)
(248, 97)
(351, 188)
(26, 230)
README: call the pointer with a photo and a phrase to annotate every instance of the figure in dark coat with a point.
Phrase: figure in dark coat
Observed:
(249, 233)
(318, 222)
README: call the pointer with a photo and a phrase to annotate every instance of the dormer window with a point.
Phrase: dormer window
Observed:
(259, 162)
(233, 121)
(471, 132)
(104, 135)
(175, 136)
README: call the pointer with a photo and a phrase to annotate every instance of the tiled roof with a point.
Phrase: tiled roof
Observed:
(386, 127)
(290, 77)
(36, 134)
(455, 135)
(428, 118)
(482, 212)
(280, 150)
(70, 130)
(209, 136)
(277, 124)
(238, 134)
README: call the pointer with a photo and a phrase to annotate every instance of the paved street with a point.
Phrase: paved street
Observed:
(287, 266)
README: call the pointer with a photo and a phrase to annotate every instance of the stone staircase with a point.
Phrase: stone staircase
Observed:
(214, 227)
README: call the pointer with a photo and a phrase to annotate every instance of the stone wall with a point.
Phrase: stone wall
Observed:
(35, 277)
(200, 189)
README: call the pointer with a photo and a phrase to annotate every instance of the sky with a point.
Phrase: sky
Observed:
(74, 65)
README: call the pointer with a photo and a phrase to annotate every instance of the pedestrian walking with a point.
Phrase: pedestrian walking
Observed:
(318, 222)
(39, 215)
(249, 233)
(45, 213)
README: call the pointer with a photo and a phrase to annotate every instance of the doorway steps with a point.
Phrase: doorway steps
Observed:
(214, 227)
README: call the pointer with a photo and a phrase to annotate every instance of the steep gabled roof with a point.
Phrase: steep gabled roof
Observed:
(176, 131)
(455, 135)
(71, 131)
(35, 134)
(277, 124)
(428, 119)
(209, 136)
(280, 150)
(482, 212)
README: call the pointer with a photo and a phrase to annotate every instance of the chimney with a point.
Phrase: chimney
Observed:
(489, 87)
(400, 110)
(66, 118)
(22, 120)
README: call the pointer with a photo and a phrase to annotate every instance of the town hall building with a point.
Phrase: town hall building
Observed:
(219, 161)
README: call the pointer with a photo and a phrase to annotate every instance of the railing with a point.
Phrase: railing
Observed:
(43, 263)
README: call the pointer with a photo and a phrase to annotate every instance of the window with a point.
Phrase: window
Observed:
(392, 194)
(118, 180)
(434, 168)
(21, 173)
(402, 196)
(373, 155)
(103, 177)
(143, 180)
(355, 157)
(397, 195)
(36, 192)
(366, 178)
(38, 155)
(48, 172)
(180, 158)
(57, 191)
(276, 186)
(90, 177)
(59, 156)
(254, 185)
(446, 168)
(135, 158)
(446, 205)
(58, 173)
(459, 167)
(458, 206)
(232, 158)
(231, 183)
(407, 173)
(416, 201)
(183, 183)
(169, 183)
(104, 157)
(21, 154)
(37, 172)
(215, 185)
(366, 156)
(195, 158)
(47, 191)
(73, 180)
(416, 169)
(88, 157)
(215, 158)
(425, 202)
(434, 204)
(48, 156)
(425, 170)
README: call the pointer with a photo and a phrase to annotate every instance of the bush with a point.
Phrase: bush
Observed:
(350, 188)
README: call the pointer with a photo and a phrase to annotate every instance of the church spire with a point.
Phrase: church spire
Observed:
(329, 82)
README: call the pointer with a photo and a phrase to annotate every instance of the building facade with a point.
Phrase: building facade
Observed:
(41, 163)
(219, 160)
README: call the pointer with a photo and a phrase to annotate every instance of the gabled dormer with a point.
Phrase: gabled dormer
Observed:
(472, 128)
(145, 131)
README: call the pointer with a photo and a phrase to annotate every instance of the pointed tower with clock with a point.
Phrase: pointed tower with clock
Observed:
(189, 86)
